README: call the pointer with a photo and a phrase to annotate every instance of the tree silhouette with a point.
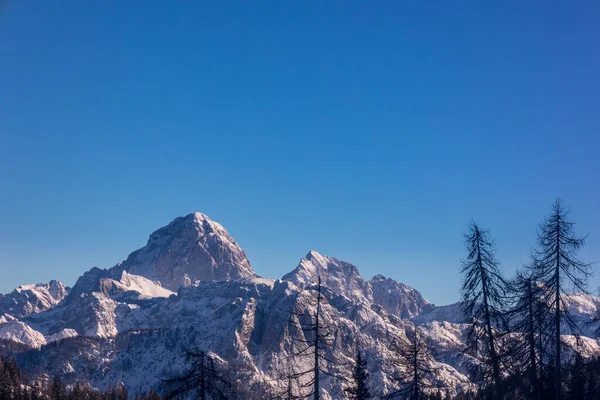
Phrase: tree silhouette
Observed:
(358, 389)
(59, 390)
(317, 339)
(483, 294)
(287, 382)
(203, 379)
(556, 265)
(528, 321)
(414, 361)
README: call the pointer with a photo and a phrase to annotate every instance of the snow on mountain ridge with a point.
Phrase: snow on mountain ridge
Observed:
(19, 332)
(189, 249)
(344, 278)
(339, 276)
(32, 298)
(112, 282)
(397, 298)
(144, 286)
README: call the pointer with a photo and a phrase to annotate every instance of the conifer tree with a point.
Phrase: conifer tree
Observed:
(358, 389)
(576, 384)
(557, 266)
(528, 321)
(287, 388)
(59, 391)
(483, 294)
(318, 338)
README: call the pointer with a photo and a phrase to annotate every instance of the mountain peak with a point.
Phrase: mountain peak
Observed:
(199, 216)
(191, 226)
(344, 278)
(396, 297)
(340, 276)
(189, 249)
(32, 298)
(314, 255)
(201, 219)
(380, 277)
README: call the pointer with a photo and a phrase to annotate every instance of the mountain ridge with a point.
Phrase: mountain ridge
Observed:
(221, 302)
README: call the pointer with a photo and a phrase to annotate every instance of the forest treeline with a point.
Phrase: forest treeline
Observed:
(15, 386)
(516, 338)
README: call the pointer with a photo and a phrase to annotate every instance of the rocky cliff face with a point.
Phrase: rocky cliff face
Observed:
(344, 278)
(30, 299)
(248, 324)
(190, 249)
(339, 276)
(397, 298)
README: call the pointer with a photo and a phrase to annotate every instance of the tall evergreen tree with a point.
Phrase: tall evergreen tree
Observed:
(576, 382)
(556, 266)
(483, 294)
(527, 320)
(358, 389)
(59, 390)
(6, 384)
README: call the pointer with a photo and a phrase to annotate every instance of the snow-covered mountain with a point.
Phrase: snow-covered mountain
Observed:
(190, 249)
(247, 323)
(19, 332)
(344, 278)
(193, 285)
(339, 276)
(34, 298)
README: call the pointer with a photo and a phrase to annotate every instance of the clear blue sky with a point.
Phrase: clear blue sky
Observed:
(368, 131)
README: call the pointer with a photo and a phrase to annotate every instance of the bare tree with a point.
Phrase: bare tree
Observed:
(318, 338)
(415, 367)
(203, 379)
(291, 383)
(288, 385)
(556, 265)
(483, 294)
(528, 321)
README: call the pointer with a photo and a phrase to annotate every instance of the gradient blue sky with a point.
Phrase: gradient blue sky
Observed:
(368, 131)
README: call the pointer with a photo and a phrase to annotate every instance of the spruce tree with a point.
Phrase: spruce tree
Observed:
(576, 384)
(528, 321)
(59, 390)
(557, 266)
(358, 389)
(483, 294)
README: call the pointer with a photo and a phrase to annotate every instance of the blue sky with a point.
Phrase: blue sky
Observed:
(368, 131)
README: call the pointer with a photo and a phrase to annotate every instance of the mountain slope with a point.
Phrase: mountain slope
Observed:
(339, 276)
(189, 249)
(34, 298)
(345, 279)
(247, 324)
